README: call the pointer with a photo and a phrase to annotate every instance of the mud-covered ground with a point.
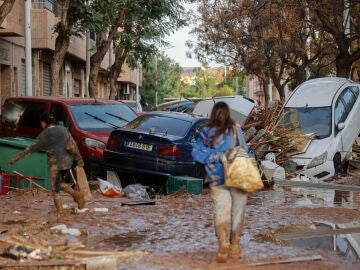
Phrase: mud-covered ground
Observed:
(177, 232)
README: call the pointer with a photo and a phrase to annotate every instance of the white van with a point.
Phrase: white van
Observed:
(330, 109)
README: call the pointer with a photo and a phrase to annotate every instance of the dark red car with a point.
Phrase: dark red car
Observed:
(89, 120)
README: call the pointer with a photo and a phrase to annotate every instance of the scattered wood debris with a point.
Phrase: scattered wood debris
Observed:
(264, 136)
(356, 149)
(35, 253)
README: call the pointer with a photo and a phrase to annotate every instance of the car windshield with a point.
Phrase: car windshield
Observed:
(101, 116)
(160, 124)
(308, 120)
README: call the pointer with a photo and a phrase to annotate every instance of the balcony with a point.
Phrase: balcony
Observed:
(128, 75)
(48, 5)
(14, 23)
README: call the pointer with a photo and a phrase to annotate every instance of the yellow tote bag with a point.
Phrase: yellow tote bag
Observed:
(241, 171)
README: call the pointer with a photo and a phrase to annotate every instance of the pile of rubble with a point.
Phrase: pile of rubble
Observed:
(356, 149)
(274, 145)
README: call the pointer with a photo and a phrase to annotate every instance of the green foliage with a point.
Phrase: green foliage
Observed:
(207, 84)
(162, 74)
(224, 90)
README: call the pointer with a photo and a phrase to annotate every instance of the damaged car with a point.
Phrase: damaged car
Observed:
(156, 143)
(327, 109)
(89, 121)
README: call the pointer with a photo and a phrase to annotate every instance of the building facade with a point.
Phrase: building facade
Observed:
(73, 73)
(256, 92)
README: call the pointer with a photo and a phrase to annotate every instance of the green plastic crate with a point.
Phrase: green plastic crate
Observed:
(184, 183)
(34, 165)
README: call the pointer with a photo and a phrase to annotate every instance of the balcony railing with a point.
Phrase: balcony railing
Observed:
(49, 5)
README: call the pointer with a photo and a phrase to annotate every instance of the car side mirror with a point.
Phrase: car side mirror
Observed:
(340, 126)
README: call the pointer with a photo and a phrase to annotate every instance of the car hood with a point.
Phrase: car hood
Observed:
(313, 149)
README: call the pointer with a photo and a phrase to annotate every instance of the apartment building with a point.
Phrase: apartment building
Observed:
(12, 57)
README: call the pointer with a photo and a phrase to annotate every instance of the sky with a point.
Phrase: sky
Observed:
(177, 49)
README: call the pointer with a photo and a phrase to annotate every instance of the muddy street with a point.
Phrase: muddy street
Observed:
(178, 233)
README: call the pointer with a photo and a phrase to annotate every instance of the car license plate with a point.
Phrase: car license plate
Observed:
(141, 146)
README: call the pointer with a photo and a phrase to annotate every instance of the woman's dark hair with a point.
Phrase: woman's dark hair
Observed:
(220, 120)
(48, 119)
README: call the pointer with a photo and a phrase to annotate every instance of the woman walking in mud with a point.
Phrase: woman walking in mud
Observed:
(53, 139)
(229, 203)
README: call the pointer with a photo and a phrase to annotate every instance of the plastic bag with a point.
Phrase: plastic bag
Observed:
(136, 191)
(109, 189)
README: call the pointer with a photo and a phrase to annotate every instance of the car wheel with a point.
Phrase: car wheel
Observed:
(199, 171)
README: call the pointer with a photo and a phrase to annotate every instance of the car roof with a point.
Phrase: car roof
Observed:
(178, 115)
(68, 100)
(174, 102)
(316, 92)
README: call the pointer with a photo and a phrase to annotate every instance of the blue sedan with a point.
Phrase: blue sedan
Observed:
(156, 143)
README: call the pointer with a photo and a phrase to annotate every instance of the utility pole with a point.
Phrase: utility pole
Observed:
(87, 71)
(28, 54)
(137, 85)
(347, 17)
(156, 80)
(236, 84)
(270, 89)
(308, 40)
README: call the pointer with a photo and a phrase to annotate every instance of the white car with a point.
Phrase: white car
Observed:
(240, 107)
(330, 109)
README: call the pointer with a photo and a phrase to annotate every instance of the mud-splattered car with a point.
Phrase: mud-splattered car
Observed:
(329, 109)
(156, 143)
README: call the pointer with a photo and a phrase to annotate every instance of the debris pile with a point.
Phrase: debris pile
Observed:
(356, 149)
(274, 142)
(28, 248)
(278, 141)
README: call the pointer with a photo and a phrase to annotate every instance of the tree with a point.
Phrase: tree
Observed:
(224, 90)
(205, 82)
(162, 74)
(157, 16)
(267, 38)
(340, 19)
(5, 9)
(144, 26)
(71, 17)
(234, 79)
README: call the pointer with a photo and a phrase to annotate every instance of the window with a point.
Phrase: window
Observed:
(24, 113)
(309, 120)
(199, 127)
(161, 124)
(345, 103)
(60, 114)
(340, 112)
(101, 116)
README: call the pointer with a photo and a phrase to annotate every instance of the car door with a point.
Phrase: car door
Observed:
(347, 109)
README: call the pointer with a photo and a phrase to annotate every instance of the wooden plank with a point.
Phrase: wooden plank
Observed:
(321, 185)
(104, 253)
(289, 260)
(75, 263)
(314, 233)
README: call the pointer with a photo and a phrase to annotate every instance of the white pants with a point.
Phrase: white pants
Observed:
(229, 207)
